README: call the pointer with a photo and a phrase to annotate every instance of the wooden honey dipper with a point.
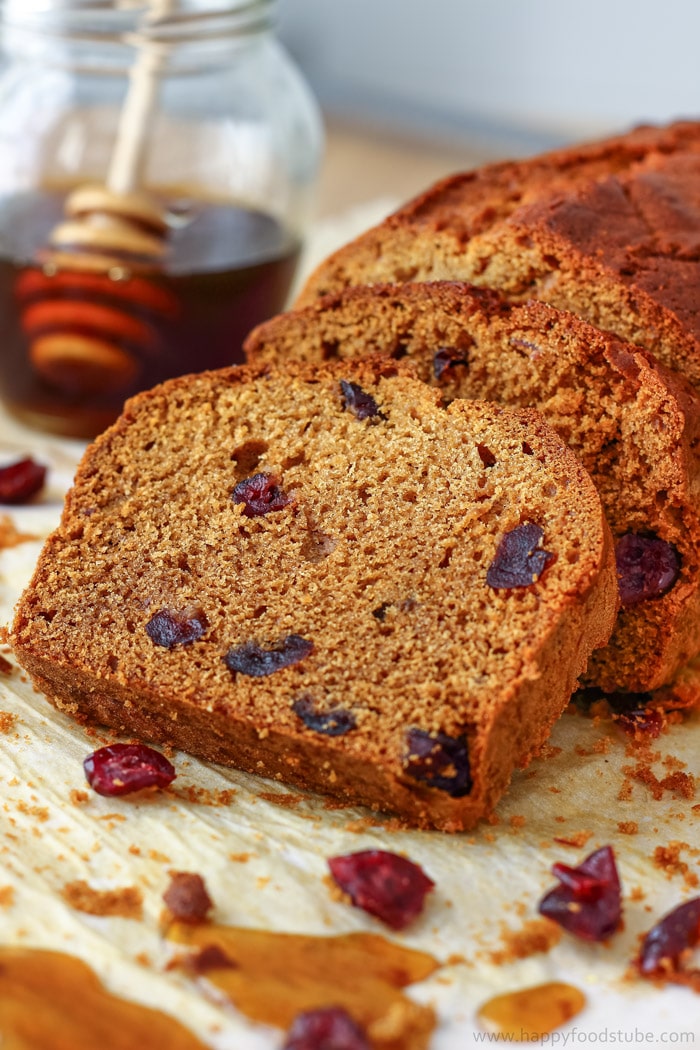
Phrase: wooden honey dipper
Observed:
(86, 312)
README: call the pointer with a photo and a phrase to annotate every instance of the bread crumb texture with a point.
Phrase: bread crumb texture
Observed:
(127, 902)
(355, 611)
(634, 424)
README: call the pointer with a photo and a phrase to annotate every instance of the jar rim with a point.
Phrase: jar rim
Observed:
(156, 20)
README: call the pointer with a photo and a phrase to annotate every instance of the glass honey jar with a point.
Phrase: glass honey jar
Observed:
(158, 165)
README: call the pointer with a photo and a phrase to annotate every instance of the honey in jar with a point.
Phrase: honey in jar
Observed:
(77, 341)
(220, 132)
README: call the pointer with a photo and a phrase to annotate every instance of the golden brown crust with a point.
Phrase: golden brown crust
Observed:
(469, 203)
(379, 560)
(635, 425)
(608, 231)
(622, 252)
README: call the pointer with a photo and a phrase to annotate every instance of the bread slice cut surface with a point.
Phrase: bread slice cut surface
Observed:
(634, 424)
(327, 577)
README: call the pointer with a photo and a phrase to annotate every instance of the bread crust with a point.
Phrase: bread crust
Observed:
(608, 231)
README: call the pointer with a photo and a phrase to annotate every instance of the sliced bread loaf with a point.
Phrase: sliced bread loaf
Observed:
(634, 424)
(609, 231)
(326, 577)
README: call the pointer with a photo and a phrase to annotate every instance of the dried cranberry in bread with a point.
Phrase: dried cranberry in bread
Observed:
(635, 425)
(313, 575)
(609, 231)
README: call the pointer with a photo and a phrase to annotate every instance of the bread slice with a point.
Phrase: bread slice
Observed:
(622, 252)
(609, 231)
(635, 425)
(326, 577)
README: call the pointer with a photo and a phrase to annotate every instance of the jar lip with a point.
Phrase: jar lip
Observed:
(156, 20)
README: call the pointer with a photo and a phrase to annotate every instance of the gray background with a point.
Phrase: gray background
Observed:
(511, 74)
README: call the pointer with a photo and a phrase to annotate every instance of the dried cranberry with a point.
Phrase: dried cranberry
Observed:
(210, 957)
(619, 703)
(252, 660)
(588, 901)
(631, 711)
(649, 723)
(666, 944)
(388, 886)
(260, 494)
(440, 761)
(519, 561)
(329, 1028)
(122, 768)
(186, 897)
(359, 401)
(647, 567)
(21, 480)
(335, 722)
(169, 628)
(445, 359)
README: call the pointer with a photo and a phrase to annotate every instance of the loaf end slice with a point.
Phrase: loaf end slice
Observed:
(608, 231)
(425, 239)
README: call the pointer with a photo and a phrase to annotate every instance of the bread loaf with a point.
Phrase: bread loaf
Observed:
(609, 231)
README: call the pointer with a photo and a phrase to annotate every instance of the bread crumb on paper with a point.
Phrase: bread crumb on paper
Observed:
(126, 902)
